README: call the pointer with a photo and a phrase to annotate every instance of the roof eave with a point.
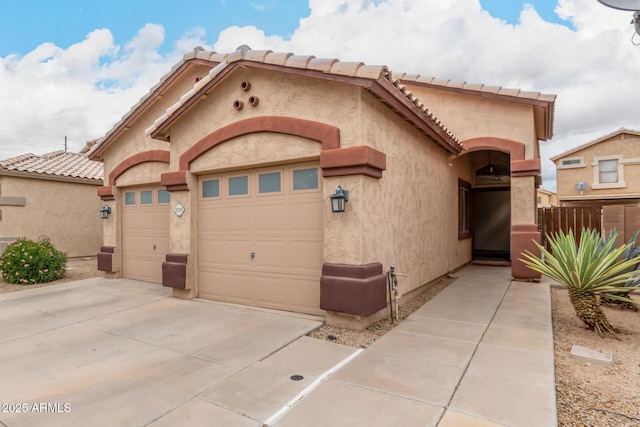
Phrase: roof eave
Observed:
(124, 124)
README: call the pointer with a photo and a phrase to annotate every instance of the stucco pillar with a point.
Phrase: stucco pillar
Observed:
(524, 230)
(178, 269)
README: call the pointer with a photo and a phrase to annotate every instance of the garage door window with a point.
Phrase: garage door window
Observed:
(269, 182)
(211, 188)
(163, 196)
(239, 185)
(146, 197)
(305, 179)
(130, 198)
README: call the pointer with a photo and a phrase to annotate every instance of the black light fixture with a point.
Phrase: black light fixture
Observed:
(338, 199)
(105, 211)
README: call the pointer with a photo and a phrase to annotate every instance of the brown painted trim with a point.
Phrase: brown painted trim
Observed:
(523, 237)
(360, 290)
(174, 271)
(105, 258)
(106, 193)
(514, 148)
(530, 167)
(328, 136)
(174, 181)
(142, 157)
(353, 161)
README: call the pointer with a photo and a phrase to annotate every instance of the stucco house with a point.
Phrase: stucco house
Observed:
(604, 172)
(546, 198)
(52, 195)
(219, 181)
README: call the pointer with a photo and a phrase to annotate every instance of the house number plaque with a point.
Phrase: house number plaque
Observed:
(179, 210)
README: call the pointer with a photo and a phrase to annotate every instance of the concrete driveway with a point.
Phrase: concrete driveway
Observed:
(122, 352)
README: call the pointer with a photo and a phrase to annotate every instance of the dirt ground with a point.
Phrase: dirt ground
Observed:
(588, 394)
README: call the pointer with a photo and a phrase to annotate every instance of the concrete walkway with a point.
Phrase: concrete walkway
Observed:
(121, 352)
(478, 354)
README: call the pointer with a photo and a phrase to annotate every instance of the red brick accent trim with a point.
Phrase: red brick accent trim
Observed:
(106, 193)
(145, 156)
(328, 136)
(353, 161)
(529, 167)
(174, 181)
(516, 149)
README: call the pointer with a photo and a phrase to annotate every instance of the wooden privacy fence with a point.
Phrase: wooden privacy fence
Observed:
(552, 220)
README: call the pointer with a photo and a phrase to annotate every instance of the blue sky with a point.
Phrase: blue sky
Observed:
(71, 68)
(25, 24)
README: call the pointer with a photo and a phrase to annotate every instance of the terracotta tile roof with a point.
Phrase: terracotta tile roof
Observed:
(59, 163)
(325, 65)
(331, 66)
(477, 87)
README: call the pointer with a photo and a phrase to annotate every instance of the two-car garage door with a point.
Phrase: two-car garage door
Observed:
(260, 237)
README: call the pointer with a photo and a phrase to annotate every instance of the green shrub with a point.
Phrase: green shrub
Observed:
(27, 262)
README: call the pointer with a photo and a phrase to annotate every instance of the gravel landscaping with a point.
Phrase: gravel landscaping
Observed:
(588, 394)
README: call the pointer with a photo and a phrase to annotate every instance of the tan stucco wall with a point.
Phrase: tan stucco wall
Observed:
(626, 148)
(471, 116)
(66, 212)
(409, 217)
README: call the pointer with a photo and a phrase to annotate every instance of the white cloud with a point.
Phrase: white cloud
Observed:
(83, 90)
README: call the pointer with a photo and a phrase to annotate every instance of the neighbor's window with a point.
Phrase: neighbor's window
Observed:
(464, 210)
(269, 182)
(146, 197)
(211, 188)
(163, 196)
(608, 171)
(130, 198)
(238, 185)
(305, 179)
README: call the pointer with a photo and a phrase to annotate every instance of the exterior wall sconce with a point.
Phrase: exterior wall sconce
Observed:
(338, 199)
(105, 211)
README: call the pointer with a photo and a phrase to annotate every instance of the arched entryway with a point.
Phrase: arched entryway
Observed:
(490, 205)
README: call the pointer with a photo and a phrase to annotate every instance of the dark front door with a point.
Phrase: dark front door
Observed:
(491, 213)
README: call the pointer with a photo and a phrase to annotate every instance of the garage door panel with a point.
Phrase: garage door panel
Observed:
(306, 216)
(305, 255)
(283, 228)
(145, 235)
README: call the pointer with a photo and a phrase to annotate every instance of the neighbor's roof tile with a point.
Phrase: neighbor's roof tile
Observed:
(58, 163)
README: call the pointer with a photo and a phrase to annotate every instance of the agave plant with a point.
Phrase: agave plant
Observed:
(587, 270)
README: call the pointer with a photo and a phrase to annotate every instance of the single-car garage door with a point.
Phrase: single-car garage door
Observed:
(260, 237)
(145, 232)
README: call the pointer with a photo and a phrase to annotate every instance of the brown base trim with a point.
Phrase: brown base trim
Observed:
(523, 237)
(105, 259)
(353, 289)
(174, 271)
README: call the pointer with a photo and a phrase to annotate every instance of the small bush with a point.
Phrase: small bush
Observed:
(27, 262)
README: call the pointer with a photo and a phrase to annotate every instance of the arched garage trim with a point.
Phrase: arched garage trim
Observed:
(333, 159)
(163, 156)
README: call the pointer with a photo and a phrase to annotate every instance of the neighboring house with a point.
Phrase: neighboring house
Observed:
(219, 181)
(546, 198)
(52, 196)
(604, 172)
